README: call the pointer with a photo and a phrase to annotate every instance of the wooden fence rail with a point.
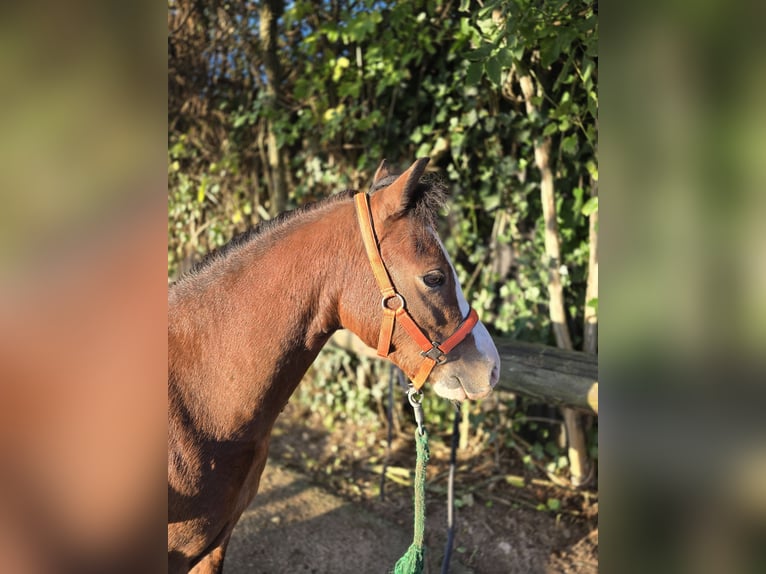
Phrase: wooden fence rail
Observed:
(554, 376)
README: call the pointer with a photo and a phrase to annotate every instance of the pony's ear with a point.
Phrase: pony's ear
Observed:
(381, 173)
(401, 194)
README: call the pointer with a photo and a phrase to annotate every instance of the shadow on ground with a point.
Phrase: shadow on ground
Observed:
(294, 526)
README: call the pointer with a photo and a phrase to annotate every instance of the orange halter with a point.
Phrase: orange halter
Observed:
(433, 353)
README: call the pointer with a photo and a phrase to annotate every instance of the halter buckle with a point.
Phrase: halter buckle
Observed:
(434, 353)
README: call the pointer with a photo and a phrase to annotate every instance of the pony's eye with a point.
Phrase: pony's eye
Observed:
(434, 279)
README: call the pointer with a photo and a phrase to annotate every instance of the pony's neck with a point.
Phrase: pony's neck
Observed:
(244, 332)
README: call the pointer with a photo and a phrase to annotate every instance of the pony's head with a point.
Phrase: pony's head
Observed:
(402, 210)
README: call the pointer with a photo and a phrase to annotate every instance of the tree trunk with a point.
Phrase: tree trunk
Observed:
(552, 246)
(579, 464)
(590, 343)
(271, 10)
(590, 327)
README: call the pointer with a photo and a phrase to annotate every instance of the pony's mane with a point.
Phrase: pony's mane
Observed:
(264, 227)
(429, 198)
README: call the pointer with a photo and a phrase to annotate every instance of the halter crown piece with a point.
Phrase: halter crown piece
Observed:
(433, 352)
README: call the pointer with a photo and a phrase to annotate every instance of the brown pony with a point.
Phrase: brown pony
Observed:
(245, 325)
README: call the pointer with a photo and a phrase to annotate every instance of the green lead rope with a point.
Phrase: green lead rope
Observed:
(413, 561)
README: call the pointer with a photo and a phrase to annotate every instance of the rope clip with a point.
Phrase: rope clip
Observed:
(415, 398)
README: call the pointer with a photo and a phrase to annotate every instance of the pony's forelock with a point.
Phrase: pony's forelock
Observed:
(429, 198)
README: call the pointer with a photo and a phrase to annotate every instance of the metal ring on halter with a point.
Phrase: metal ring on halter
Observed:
(395, 295)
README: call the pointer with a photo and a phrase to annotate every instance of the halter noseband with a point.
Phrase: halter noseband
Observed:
(433, 353)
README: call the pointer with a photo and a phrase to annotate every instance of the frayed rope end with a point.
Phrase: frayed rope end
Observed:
(413, 561)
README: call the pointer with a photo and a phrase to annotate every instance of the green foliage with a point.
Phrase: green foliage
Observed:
(366, 80)
(344, 388)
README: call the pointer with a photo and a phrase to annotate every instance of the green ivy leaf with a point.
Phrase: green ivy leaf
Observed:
(590, 207)
(340, 64)
(505, 57)
(474, 73)
(491, 202)
(494, 72)
(569, 144)
(479, 53)
(592, 170)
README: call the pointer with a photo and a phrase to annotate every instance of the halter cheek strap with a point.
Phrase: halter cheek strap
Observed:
(394, 308)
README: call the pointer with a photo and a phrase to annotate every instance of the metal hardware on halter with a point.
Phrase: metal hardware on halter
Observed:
(434, 353)
(415, 398)
(389, 297)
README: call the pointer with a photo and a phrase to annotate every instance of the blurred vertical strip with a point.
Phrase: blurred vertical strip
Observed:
(83, 230)
(682, 327)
